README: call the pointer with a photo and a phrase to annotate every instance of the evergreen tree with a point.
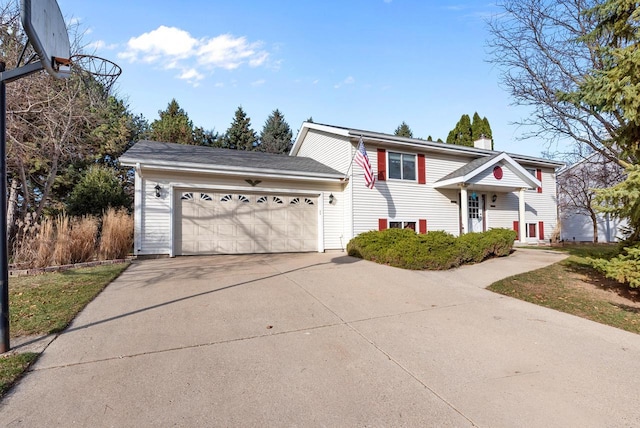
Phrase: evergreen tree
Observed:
(467, 131)
(461, 134)
(240, 136)
(403, 130)
(276, 134)
(173, 126)
(429, 138)
(99, 189)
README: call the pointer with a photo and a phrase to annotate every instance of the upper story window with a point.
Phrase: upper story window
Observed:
(402, 166)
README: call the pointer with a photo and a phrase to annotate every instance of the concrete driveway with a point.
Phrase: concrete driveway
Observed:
(327, 340)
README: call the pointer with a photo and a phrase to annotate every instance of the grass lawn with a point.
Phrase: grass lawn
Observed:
(572, 286)
(47, 303)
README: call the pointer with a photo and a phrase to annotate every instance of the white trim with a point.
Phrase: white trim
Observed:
(404, 220)
(520, 171)
(138, 201)
(321, 222)
(267, 173)
(522, 220)
(172, 213)
(415, 165)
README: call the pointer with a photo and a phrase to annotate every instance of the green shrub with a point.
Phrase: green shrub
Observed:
(99, 189)
(624, 268)
(436, 250)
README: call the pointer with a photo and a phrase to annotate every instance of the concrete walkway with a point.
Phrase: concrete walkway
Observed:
(327, 340)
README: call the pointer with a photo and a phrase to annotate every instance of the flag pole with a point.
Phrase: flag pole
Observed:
(353, 158)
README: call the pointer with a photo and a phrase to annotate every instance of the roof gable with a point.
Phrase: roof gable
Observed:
(476, 171)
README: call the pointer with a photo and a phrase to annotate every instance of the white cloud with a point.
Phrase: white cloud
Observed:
(348, 81)
(174, 48)
(258, 82)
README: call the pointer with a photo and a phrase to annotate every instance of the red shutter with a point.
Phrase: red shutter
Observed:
(423, 225)
(541, 230)
(382, 223)
(539, 177)
(422, 176)
(516, 227)
(382, 165)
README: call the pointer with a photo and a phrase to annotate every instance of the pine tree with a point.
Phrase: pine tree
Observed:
(403, 130)
(276, 134)
(240, 136)
(173, 126)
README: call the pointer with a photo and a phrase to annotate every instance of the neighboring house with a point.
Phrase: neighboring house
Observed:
(199, 200)
(579, 218)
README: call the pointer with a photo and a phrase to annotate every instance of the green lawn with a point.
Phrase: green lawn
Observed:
(47, 303)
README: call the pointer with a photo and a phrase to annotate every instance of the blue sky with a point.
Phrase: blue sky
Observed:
(367, 64)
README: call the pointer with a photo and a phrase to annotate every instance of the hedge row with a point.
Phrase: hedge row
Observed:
(435, 250)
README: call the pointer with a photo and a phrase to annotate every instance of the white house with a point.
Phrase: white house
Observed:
(200, 200)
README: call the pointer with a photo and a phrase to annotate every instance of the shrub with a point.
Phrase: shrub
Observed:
(62, 247)
(116, 240)
(624, 268)
(435, 251)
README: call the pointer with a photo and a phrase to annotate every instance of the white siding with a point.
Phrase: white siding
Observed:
(154, 237)
(509, 177)
(331, 150)
(579, 228)
(405, 200)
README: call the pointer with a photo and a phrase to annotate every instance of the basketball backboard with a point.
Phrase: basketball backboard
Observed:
(44, 24)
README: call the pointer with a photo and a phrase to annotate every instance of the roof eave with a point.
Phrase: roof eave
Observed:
(235, 171)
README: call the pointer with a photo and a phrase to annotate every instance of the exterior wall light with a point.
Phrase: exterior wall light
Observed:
(494, 198)
(331, 198)
(158, 188)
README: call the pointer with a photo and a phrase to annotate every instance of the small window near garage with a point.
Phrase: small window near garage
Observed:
(308, 201)
(226, 198)
(277, 200)
(262, 200)
(295, 201)
(402, 166)
(205, 197)
(187, 196)
(531, 230)
(243, 198)
(402, 225)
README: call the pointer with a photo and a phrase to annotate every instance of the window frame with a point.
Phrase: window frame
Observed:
(529, 227)
(402, 155)
(404, 224)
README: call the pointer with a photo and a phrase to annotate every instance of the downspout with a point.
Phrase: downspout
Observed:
(138, 201)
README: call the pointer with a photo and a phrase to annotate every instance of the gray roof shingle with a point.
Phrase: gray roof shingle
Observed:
(470, 167)
(153, 152)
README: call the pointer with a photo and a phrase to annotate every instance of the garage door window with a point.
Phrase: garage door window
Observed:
(225, 198)
(187, 196)
(277, 200)
(262, 200)
(205, 197)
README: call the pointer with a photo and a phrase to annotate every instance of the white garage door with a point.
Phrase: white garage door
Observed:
(240, 223)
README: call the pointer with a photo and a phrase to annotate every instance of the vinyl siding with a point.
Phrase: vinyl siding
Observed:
(579, 228)
(540, 207)
(334, 151)
(153, 231)
(400, 200)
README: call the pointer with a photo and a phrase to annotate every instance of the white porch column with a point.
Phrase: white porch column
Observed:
(464, 209)
(521, 217)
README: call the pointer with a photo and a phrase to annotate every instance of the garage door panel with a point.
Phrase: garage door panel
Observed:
(233, 223)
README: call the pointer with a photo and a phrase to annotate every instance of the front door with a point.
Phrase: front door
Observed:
(476, 208)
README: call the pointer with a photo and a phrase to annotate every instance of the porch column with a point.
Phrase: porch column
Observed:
(464, 209)
(521, 216)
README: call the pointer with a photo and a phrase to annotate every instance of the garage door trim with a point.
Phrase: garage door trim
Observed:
(175, 190)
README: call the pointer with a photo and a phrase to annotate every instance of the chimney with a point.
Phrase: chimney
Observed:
(482, 143)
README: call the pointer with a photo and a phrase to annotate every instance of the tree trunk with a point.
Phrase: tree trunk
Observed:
(594, 221)
(12, 209)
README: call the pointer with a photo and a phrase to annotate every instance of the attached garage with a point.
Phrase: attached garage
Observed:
(194, 200)
(240, 223)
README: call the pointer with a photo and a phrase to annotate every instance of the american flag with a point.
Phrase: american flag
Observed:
(363, 160)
